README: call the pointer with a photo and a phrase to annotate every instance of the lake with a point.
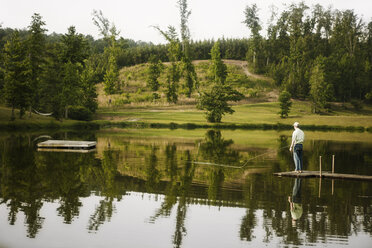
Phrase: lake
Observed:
(183, 188)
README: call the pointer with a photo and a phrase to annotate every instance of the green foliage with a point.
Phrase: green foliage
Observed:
(36, 43)
(109, 32)
(188, 69)
(173, 71)
(255, 51)
(154, 71)
(89, 93)
(74, 47)
(17, 74)
(217, 69)
(111, 76)
(368, 96)
(173, 77)
(215, 102)
(321, 91)
(285, 103)
(79, 113)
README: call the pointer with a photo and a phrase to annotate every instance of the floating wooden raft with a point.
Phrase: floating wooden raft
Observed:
(66, 145)
(323, 174)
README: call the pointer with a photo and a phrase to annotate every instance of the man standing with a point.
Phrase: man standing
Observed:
(298, 138)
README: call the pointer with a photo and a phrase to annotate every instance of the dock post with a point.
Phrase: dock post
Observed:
(333, 164)
(320, 166)
(320, 186)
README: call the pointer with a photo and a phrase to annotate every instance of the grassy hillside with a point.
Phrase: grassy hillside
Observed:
(259, 107)
(134, 91)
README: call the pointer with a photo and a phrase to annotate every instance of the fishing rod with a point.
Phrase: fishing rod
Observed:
(231, 166)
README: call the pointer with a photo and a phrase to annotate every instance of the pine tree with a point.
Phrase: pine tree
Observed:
(321, 91)
(111, 76)
(285, 103)
(89, 92)
(36, 52)
(17, 74)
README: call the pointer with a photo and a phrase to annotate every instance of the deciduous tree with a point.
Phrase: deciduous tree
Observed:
(154, 71)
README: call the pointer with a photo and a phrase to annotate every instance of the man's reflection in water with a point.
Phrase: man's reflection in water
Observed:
(295, 201)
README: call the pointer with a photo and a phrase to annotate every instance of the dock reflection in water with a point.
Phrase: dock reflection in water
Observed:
(143, 192)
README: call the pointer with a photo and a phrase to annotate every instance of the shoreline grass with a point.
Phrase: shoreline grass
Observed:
(99, 124)
(258, 116)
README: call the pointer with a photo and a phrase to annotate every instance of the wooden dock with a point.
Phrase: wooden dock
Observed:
(323, 174)
(66, 150)
(67, 145)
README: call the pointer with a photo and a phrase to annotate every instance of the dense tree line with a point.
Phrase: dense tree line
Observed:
(45, 76)
(313, 53)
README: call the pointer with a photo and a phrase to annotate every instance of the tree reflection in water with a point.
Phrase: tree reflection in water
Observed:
(28, 179)
(176, 190)
(21, 182)
(106, 177)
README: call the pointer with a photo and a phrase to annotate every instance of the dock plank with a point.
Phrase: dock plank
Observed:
(67, 144)
(325, 174)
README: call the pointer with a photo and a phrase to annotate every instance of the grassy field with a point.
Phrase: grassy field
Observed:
(256, 113)
(245, 114)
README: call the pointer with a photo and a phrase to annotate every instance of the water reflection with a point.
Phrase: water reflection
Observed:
(295, 201)
(164, 167)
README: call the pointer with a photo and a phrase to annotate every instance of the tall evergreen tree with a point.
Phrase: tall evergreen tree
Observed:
(51, 82)
(111, 76)
(17, 74)
(321, 91)
(36, 52)
(73, 54)
(285, 103)
(89, 92)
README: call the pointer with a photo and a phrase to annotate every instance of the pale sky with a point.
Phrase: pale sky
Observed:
(210, 19)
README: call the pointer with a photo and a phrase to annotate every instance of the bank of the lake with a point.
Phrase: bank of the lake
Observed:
(261, 116)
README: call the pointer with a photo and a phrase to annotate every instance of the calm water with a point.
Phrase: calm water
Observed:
(155, 188)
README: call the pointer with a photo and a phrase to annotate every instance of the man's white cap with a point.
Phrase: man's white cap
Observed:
(296, 124)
